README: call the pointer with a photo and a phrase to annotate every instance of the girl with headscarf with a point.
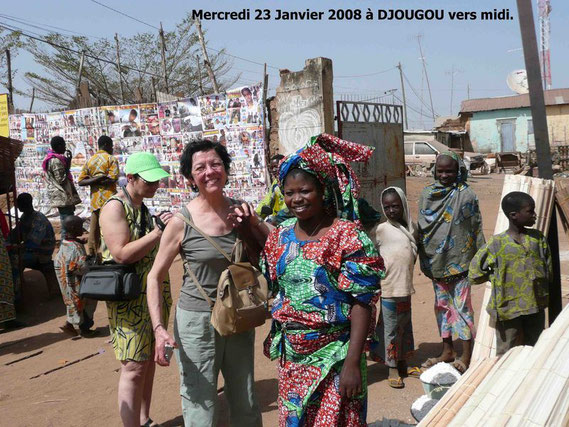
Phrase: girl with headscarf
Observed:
(396, 241)
(325, 272)
(450, 234)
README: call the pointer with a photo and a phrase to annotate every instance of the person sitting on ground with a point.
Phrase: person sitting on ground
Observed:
(273, 202)
(101, 173)
(70, 264)
(62, 192)
(36, 235)
(450, 233)
(396, 241)
(518, 264)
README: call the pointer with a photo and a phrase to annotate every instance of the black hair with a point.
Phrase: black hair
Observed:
(390, 191)
(133, 111)
(24, 200)
(55, 141)
(104, 140)
(202, 145)
(515, 201)
(246, 89)
(298, 171)
(278, 157)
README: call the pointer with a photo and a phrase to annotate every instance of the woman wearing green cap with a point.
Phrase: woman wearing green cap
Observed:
(129, 237)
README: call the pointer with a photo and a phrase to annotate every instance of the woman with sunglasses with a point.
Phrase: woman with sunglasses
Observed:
(129, 237)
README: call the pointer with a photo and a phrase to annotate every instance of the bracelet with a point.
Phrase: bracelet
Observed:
(157, 326)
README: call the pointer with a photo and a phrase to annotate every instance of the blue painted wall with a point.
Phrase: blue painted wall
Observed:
(485, 129)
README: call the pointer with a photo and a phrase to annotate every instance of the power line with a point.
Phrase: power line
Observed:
(417, 95)
(366, 75)
(413, 109)
(211, 48)
(89, 55)
(41, 26)
(124, 14)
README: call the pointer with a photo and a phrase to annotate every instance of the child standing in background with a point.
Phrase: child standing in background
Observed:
(395, 239)
(450, 234)
(518, 264)
(70, 264)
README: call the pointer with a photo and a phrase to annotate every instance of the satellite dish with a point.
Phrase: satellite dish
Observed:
(518, 81)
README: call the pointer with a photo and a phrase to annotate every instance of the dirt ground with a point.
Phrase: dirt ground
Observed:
(84, 393)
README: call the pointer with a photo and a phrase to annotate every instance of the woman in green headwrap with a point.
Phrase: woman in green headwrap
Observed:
(450, 233)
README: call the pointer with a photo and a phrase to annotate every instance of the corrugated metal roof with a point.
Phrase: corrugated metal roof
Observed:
(552, 97)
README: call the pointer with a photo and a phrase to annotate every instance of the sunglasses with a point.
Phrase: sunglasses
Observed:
(148, 182)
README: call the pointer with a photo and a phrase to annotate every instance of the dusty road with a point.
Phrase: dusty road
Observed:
(84, 394)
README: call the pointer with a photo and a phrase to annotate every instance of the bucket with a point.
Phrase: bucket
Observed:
(436, 391)
(419, 415)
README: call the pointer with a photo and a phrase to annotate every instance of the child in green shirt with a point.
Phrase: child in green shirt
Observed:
(518, 264)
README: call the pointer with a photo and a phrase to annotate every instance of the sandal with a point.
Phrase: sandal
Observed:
(396, 382)
(459, 365)
(68, 329)
(432, 361)
(415, 372)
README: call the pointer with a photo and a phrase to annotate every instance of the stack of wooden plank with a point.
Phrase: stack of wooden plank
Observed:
(543, 192)
(528, 386)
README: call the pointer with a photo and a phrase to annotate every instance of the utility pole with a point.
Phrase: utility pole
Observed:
(119, 67)
(206, 57)
(426, 75)
(154, 90)
(33, 97)
(163, 46)
(10, 87)
(403, 93)
(468, 91)
(452, 72)
(543, 151)
(80, 72)
(199, 75)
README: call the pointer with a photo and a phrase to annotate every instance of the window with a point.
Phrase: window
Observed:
(423, 148)
(408, 149)
(530, 127)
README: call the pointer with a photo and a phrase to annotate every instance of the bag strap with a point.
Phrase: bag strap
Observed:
(143, 213)
(196, 281)
(205, 236)
(201, 290)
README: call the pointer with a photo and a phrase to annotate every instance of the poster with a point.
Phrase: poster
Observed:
(234, 119)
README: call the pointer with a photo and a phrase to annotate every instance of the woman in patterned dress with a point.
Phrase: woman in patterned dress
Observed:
(129, 237)
(325, 273)
(450, 233)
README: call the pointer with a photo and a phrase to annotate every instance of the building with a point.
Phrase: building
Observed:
(505, 123)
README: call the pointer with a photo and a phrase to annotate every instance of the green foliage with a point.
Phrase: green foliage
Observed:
(140, 57)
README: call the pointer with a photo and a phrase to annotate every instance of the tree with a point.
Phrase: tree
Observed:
(12, 41)
(140, 57)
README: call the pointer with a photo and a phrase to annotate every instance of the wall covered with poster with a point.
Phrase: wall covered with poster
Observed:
(234, 119)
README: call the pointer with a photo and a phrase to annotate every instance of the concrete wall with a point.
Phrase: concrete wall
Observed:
(484, 129)
(303, 106)
(558, 124)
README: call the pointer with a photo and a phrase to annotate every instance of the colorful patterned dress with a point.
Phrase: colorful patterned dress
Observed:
(316, 283)
(129, 321)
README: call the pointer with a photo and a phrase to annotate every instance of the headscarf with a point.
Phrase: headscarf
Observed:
(51, 155)
(409, 229)
(328, 159)
(450, 225)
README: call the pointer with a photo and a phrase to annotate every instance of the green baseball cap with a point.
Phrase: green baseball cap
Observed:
(146, 166)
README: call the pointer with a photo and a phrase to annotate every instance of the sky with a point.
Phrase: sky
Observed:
(364, 53)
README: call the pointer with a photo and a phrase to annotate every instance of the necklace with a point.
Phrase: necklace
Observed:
(311, 234)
